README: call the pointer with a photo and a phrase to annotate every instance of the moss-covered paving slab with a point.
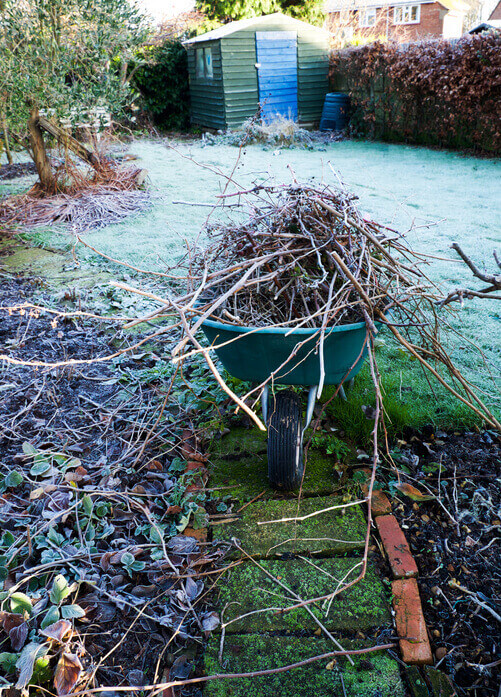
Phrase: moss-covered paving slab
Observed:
(372, 674)
(239, 466)
(57, 268)
(247, 589)
(330, 532)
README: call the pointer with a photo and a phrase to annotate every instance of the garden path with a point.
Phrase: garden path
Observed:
(289, 560)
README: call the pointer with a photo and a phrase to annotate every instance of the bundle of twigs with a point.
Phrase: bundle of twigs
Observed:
(305, 257)
(315, 261)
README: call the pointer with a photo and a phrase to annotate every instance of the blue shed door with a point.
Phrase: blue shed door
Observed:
(277, 73)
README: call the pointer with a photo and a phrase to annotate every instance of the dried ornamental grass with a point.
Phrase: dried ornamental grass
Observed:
(86, 198)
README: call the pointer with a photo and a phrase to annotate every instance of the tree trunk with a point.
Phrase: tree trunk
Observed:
(5, 129)
(40, 158)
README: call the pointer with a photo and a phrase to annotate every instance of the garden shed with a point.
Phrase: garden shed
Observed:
(274, 60)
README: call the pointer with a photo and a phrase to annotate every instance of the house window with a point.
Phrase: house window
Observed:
(407, 14)
(367, 17)
(203, 63)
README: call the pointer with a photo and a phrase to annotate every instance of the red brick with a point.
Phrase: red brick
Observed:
(431, 23)
(399, 555)
(380, 503)
(409, 619)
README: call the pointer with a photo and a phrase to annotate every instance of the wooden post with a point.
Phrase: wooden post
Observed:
(69, 142)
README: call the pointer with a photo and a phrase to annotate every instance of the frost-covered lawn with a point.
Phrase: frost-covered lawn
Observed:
(459, 196)
(443, 196)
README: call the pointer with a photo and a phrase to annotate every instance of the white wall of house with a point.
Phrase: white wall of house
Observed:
(453, 25)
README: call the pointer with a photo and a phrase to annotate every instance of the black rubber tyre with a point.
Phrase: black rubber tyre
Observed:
(285, 446)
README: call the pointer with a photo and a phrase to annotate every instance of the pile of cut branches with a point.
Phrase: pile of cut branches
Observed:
(304, 256)
(313, 261)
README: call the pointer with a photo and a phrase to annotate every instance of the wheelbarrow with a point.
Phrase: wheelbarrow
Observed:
(292, 357)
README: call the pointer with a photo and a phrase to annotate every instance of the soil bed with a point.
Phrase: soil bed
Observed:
(467, 553)
(17, 169)
(103, 414)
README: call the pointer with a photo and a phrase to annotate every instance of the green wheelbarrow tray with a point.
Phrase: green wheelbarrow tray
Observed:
(292, 357)
(254, 354)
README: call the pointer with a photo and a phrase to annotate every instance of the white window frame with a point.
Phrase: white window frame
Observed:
(405, 12)
(367, 17)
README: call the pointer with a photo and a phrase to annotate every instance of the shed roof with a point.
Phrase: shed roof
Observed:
(239, 25)
(486, 26)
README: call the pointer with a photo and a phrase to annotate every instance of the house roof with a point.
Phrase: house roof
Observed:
(232, 27)
(495, 11)
(337, 5)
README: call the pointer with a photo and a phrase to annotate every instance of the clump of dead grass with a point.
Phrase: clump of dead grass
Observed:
(85, 198)
(281, 132)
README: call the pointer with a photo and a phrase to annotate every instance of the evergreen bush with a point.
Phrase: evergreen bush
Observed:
(162, 81)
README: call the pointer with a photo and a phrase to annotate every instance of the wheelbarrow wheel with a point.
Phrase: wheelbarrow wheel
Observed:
(285, 442)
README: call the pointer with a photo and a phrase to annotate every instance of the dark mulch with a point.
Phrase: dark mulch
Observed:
(17, 169)
(42, 394)
(78, 410)
(459, 546)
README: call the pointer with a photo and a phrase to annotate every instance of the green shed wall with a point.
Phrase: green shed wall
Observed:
(207, 95)
(237, 96)
(313, 71)
(241, 96)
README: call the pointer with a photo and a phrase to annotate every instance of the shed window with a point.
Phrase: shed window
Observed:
(208, 62)
(367, 17)
(407, 14)
(203, 57)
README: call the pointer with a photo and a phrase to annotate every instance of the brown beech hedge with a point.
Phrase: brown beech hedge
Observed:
(436, 92)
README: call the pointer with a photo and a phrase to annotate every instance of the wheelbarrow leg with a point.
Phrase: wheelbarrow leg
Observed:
(312, 395)
(265, 394)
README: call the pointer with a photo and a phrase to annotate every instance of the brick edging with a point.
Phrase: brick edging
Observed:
(409, 617)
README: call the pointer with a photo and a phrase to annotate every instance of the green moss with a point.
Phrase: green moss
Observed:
(55, 268)
(247, 588)
(440, 682)
(416, 682)
(239, 466)
(331, 532)
(373, 674)
(409, 399)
